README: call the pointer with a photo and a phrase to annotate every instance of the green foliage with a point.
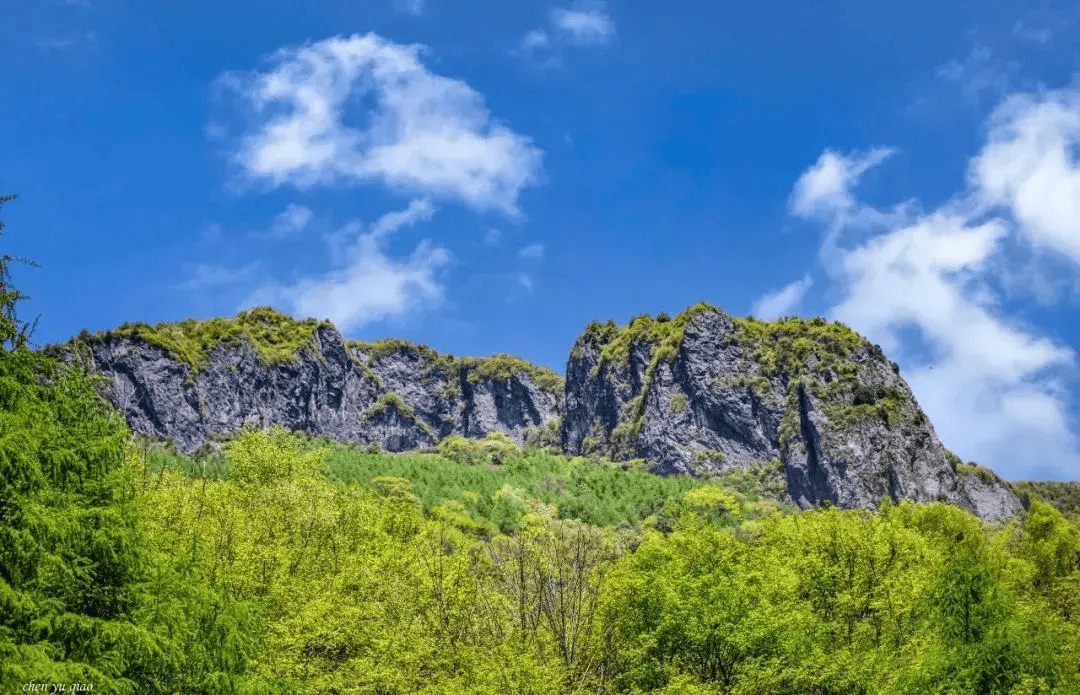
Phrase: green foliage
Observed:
(712, 502)
(12, 334)
(380, 573)
(495, 448)
(546, 437)
(820, 356)
(85, 595)
(984, 474)
(280, 562)
(662, 337)
(913, 599)
(678, 404)
(498, 367)
(390, 399)
(276, 338)
(953, 460)
(265, 457)
(760, 479)
(1065, 496)
(501, 367)
(464, 471)
(363, 593)
(784, 346)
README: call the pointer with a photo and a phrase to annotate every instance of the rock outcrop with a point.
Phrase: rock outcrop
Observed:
(194, 380)
(811, 403)
(705, 394)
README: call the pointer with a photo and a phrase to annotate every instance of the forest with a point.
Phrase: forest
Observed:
(290, 564)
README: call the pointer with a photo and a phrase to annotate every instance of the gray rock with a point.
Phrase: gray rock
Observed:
(839, 419)
(401, 399)
(702, 394)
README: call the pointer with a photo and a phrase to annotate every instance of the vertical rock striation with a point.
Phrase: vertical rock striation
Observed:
(194, 380)
(809, 402)
(704, 394)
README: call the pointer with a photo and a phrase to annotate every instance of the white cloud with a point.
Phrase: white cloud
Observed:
(371, 286)
(993, 386)
(420, 210)
(291, 221)
(424, 132)
(825, 188)
(978, 74)
(1029, 165)
(535, 39)
(584, 27)
(214, 276)
(412, 7)
(1029, 33)
(491, 237)
(532, 251)
(587, 24)
(525, 281)
(538, 48)
(344, 243)
(783, 301)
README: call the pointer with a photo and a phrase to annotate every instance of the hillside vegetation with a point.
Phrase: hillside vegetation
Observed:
(291, 564)
(281, 563)
(1063, 495)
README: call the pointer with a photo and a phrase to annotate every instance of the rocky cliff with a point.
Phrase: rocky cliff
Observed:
(195, 379)
(810, 403)
(821, 407)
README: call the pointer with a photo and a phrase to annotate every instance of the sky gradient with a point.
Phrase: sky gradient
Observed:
(489, 177)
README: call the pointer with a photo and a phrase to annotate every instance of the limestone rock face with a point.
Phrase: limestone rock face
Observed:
(810, 404)
(704, 394)
(400, 396)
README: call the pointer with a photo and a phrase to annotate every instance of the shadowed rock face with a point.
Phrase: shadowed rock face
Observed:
(833, 417)
(702, 394)
(324, 392)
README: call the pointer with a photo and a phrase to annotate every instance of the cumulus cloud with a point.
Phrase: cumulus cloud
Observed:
(420, 210)
(291, 221)
(923, 288)
(1029, 166)
(584, 27)
(825, 188)
(372, 286)
(783, 301)
(532, 251)
(420, 131)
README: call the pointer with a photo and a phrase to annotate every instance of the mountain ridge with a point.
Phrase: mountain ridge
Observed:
(701, 393)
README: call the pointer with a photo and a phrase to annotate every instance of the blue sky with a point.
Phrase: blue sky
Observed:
(489, 177)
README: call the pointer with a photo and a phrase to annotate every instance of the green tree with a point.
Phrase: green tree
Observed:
(85, 596)
(12, 334)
